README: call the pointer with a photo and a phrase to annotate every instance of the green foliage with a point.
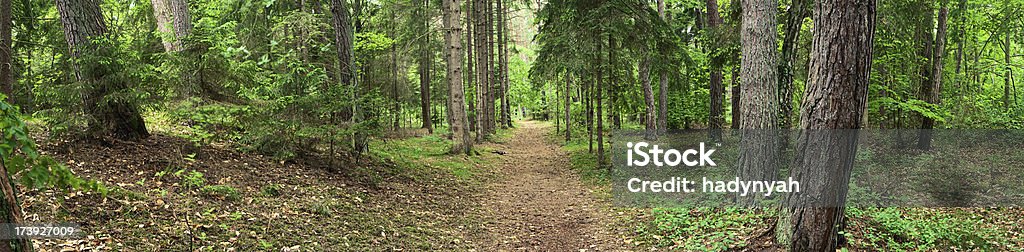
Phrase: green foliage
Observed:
(702, 229)
(925, 229)
(222, 191)
(21, 158)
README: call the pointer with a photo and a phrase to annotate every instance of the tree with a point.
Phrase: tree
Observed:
(568, 103)
(794, 19)
(173, 22)
(6, 66)
(933, 95)
(759, 96)
(88, 39)
(715, 119)
(663, 83)
(424, 67)
(834, 100)
(650, 119)
(453, 56)
(11, 213)
(343, 38)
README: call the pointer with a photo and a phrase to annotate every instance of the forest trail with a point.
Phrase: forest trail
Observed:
(539, 203)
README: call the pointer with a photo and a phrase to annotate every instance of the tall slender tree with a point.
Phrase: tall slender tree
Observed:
(453, 56)
(924, 137)
(426, 60)
(86, 33)
(663, 83)
(795, 15)
(6, 66)
(717, 90)
(650, 118)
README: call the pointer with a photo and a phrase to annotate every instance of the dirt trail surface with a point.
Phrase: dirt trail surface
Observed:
(539, 204)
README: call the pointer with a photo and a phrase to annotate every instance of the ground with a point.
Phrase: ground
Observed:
(167, 193)
(540, 204)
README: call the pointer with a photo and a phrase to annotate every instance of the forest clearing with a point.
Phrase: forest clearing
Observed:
(508, 125)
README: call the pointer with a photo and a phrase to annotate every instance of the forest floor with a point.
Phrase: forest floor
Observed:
(167, 193)
(540, 204)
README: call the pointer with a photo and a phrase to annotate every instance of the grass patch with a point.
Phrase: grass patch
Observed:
(702, 229)
(221, 191)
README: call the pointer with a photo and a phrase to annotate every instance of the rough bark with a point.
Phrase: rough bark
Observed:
(715, 119)
(506, 109)
(759, 153)
(663, 84)
(798, 11)
(480, 42)
(651, 128)
(835, 98)
(453, 56)
(6, 68)
(83, 24)
(173, 22)
(924, 137)
(736, 94)
(11, 212)
(470, 74)
(343, 38)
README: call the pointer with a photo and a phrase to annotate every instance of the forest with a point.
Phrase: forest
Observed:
(496, 125)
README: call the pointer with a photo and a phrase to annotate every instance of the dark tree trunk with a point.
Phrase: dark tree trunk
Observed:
(924, 138)
(835, 98)
(83, 21)
(426, 60)
(480, 42)
(759, 153)
(717, 90)
(453, 56)
(470, 74)
(343, 38)
(11, 213)
(6, 66)
(798, 11)
(925, 34)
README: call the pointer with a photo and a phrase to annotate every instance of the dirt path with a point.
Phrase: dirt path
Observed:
(539, 204)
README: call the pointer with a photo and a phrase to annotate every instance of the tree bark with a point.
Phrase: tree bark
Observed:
(598, 94)
(924, 138)
(663, 84)
(6, 66)
(453, 56)
(835, 98)
(83, 25)
(343, 38)
(470, 59)
(11, 212)
(480, 42)
(173, 22)
(715, 119)
(759, 153)
(425, 62)
(798, 11)
(736, 94)
(650, 119)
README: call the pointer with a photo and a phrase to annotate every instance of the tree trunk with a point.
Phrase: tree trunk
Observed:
(663, 84)
(506, 106)
(599, 94)
(425, 62)
(925, 34)
(759, 153)
(343, 38)
(798, 11)
(453, 56)
(590, 109)
(173, 22)
(650, 119)
(6, 66)
(470, 74)
(924, 138)
(480, 42)
(736, 94)
(715, 119)
(835, 98)
(568, 103)
(1006, 52)
(11, 212)
(83, 21)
